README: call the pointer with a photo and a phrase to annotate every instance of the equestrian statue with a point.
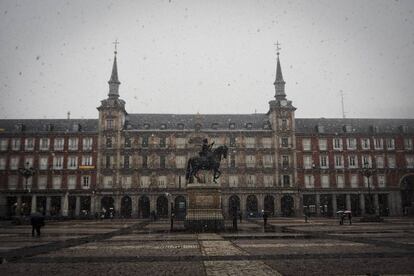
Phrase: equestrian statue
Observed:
(208, 159)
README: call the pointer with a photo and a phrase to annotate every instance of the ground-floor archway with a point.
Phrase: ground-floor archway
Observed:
(356, 205)
(143, 207)
(126, 207)
(407, 194)
(41, 204)
(55, 205)
(251, 206)
(269, 205)
(108, 207)
(234, 205)
(180, 207)
(325, 205)
(162, 207)
(287, 205)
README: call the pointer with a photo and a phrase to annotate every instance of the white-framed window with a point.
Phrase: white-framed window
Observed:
(268, 180)
(307, 162)
(44, 144)
(306, 144)
(72, 182)
(56, 182)
(378, 143)
(285, 161)
(268, 160)
(381, 181)
(337, 143)
(42, 182)
(59, 143)
(28, 161)
(180, 181)
(86, 181)
(251, 180)
(250, 142)
(58, 162)
(390, 143)
(340, 180)
(366, 161)
(409, 159)
(379, 161)
(86, 160)
(180, 143)
(366, 179)
(3, 163)
(29, 144)
(144, 181)
(107, 182)
(4, 143)
(309, 181)
(285, 142)
(408, 143)
(286, 180)
(266, 142)
(126, 182)
(250, 161)
(354, 181)
(339, 161)
(162, 182)
(72, 162)
(43, 162)
(233, 181)
(324, 161)
(391, 161)
(323, 144)
(180, 162)
(87, 143)
(325, 181)
(73, 143)
(109, 124)
(353, 161)
(365, 143)
(127, 159)
(14, 162)
(15, 143)
(12, 182)
(351, 143)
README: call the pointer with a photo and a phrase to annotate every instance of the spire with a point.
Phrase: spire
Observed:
(279, 82)
(114, 82)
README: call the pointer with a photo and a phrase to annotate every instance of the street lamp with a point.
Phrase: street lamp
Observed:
(27, 172)
(367, 172)
(171, 213)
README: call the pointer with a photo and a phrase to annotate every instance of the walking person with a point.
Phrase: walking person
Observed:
(37, 220)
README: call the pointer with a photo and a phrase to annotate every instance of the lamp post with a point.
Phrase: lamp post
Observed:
(27, 172)
(171, 213)
(367, 172)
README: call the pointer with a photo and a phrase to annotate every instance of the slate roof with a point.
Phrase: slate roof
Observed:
(41, 125)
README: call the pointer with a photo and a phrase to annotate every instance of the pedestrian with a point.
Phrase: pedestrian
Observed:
(240, 216)
(350, 218)
(342, 217)
(37, 220)
(264, 218)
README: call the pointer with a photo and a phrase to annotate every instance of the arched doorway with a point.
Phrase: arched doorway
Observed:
(180, 207)
(126, 207)
(325, 207)
(269, 205)
(251, 206)
(107, 205)
(234, 205)
(407, 194)
(287, 205)
(143, 207)
(162, 207)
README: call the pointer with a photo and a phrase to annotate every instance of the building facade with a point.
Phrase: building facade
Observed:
(131, 165)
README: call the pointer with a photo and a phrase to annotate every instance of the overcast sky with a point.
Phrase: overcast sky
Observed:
(207, 56)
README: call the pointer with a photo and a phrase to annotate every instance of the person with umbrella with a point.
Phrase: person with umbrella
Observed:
(349, 214)
(341, 217)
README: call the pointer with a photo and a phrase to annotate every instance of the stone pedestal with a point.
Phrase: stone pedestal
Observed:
(204, 211)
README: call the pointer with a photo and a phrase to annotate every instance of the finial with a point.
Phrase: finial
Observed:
(277, 48)
(115, 43)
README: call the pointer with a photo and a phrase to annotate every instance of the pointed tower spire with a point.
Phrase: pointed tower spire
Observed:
(114, 82)
(279, 82)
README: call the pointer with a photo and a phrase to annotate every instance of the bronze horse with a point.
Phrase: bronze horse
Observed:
(210, 162)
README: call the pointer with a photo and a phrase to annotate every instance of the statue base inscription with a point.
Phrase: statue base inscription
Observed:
(204, 211)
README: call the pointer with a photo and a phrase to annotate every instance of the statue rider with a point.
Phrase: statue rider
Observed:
(205, 149)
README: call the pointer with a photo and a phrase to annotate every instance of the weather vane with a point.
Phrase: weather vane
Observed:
(115, 43)
(277, 47)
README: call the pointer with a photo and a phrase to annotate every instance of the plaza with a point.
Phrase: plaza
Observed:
(286, 246)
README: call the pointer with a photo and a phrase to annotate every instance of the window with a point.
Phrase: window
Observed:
(16, 144)
(352, 161)
(126, 182)
(354, 180)
(180, 143)
(250, 161)
(285, 161)
(162, 142)
(409, 161)
(408, 143)
(232, 126)
(43, 162)
(59, 143)
(162, 162)
(232, 160)
(127, 142)
(309, 181)
(391, 161)
(285, 142)
(44, 144)
(307, 162)
(378, 144)
(87, 143)
(29, 144)
(57, 182)
(109, 142)
(351, 143)
(233, 181)
(306, 144)
(379, 161)
(28, 161)
(251, 180)
(365, 143)
(42, 182)
(267, 143)
(162, 181)
(72, 162)
(337, 144)
(339, 161)
(366, 161)
(13, 180)
(144, 181)
(4, 144)
(286, 180)
(324, 161)
(58, 162)
(2, 163)
(109, 124)
(14, 163)
(145, 161)
(268, 180)
(340, 183)
(284, 123)
(381, 181)
(107, 181)
(86, 181)
(72, 182)
(73, 143)
(390, 143)
(267, 161)
(325, 181)
(108, 161)
(86, 160)
(250, 142)
(127, 161)
(323, 144)
(180, 162)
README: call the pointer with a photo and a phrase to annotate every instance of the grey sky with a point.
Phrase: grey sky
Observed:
(207, 56)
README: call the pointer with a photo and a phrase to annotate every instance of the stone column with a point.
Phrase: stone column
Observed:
(65, 205)
(93, 205)
(260, 202)
(398, 204)
(348, 202)
(278, 209)
(225, 205)
(298, 204)
(376, 204)
(153, 203)
(334, 205)
(33, 207)
(362, 204)
(318, 204)
(48, 202)
(134, 202)
(77, 206)
(19, 206)
(117, 206)
(243, 204)
(4, 208)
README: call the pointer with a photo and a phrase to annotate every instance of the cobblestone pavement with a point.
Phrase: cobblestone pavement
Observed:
(286, 246)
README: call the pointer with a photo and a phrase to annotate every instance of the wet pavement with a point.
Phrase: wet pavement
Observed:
(287, 246)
